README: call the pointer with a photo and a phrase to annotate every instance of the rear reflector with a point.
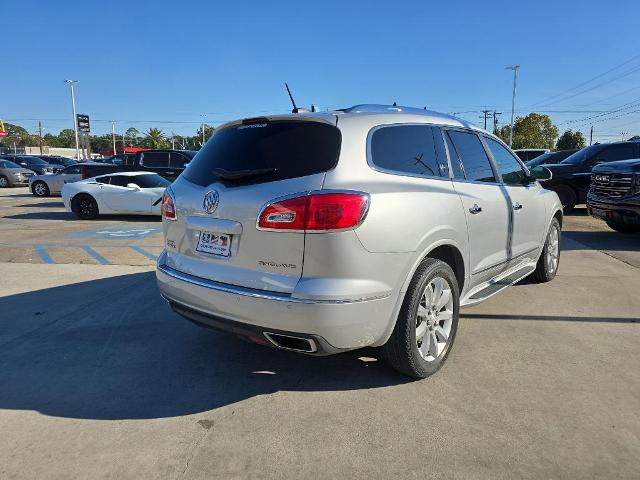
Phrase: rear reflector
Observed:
(318, 212)
(168, 208)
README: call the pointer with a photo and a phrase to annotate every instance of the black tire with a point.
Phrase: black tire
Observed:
(40, 189)
(4, 182)
(567, 196)
(544, 272)
(85, 206)
(401, 351)
(623, 227)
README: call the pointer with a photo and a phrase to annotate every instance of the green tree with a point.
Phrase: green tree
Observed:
(18, 135)
(155, 138)
(132, 135)
(99, 143)
(50, 140)
(533, 131)
(67, 138)
(570, 140)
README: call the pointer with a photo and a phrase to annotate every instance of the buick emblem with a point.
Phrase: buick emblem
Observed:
(210, 201)
(602, 178)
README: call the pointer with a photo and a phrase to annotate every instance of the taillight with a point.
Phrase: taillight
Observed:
(168, 206)
(317, 212)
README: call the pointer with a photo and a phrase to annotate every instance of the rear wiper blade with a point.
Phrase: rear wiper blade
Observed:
(239, 174)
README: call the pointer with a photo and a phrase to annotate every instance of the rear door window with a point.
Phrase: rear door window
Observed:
(406, 149)
(477, 167)
(178, 160)
(623, 151)
(290, 149)
(155, 159)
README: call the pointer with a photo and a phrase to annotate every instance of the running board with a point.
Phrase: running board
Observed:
(498, 285)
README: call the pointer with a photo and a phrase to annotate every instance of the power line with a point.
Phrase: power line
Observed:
(543, 102)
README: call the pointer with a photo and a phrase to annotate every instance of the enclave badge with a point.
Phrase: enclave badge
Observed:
(210, 201)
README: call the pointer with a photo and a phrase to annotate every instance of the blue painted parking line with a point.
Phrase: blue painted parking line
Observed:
(96, 255)
(40, 250)
(144, 252)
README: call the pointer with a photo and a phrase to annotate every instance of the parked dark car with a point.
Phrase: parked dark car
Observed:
(526, 154)
(167, 163)
(36, 164)
(93, 169)
(550, 157)
(59, 160)
(572, 176)
(614, 195)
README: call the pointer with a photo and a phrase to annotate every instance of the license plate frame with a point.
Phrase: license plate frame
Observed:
(214, 243)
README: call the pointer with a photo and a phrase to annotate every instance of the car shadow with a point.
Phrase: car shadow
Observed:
(72, 216)
(112, 349)
(602, 240)
(42, 204)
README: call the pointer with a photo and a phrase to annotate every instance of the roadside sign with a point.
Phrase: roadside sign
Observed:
(3, 132)
(83, 123)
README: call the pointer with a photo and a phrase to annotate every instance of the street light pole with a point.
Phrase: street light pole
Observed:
(513, 99)
(113, 136)
(71, 83)
(202, 115)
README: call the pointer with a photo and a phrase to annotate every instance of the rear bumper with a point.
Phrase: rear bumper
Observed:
(624, 211)
(333, 325)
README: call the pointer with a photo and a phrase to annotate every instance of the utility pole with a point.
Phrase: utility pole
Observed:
(71, 83)
(486, 115)
(515, 69)
(113, 136)
(591, 136)
(40, 135)
(202, 115)
(173, 142)
(495, 120)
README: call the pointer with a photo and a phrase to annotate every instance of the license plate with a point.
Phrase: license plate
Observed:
(214, 244)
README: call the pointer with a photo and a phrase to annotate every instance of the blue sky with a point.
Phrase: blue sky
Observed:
(149, 63)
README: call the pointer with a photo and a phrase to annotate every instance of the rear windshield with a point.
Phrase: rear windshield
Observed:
(292, 148)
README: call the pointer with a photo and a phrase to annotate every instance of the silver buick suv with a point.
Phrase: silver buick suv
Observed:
(364, 227)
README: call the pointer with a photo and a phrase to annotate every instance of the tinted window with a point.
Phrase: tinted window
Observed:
(292, 148)
(130, 159)
(34, 161)
(178, 160)
(476, 164)
(522, 156)
(623, 151)
(407, 149)
(73, 169)
(453, 156)
(7, 164)
(122, 180)
(149, 181)
(155, 159)
(584, 154)
(510, 169)
(103, 179)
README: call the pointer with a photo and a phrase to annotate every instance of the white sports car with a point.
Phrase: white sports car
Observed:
(125, 193)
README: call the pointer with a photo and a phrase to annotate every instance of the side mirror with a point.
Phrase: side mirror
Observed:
(133, 187)
(540, 173)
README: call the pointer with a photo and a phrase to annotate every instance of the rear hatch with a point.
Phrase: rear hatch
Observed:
(221, 193)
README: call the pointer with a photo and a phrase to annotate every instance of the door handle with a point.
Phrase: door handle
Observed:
(475, 209)
(517, 206)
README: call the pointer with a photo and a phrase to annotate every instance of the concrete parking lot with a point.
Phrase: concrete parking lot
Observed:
(99, 379)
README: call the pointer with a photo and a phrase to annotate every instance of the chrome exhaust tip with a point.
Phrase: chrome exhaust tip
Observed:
(289, 342)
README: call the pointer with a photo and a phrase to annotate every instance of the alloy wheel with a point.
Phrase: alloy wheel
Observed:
(4, 182)
(434, 319)
(40, 189)
(553, 249)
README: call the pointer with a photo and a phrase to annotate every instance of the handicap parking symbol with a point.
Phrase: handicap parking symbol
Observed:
(116, 233)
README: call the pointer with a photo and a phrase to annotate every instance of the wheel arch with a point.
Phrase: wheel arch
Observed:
(446, 250)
